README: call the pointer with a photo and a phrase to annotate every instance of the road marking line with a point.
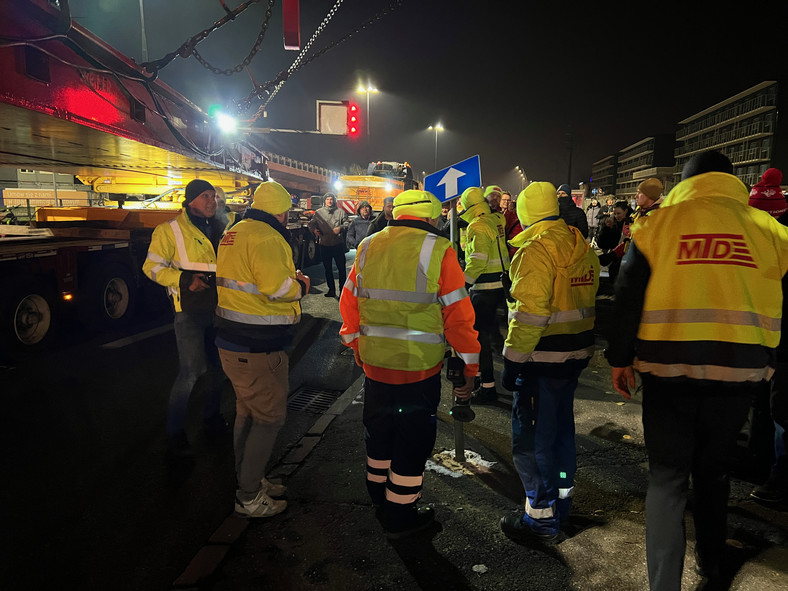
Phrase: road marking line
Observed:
(124, 342)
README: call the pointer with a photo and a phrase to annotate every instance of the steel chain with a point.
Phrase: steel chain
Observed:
(252, 52)
(264, 91)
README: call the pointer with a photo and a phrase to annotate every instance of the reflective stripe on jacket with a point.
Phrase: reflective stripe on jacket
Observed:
(178, 245)
(555, 277)
(486, 251)
(404, 291)
(713, 301)
(256, 277)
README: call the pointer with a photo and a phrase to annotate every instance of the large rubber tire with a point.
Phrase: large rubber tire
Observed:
(311, 254)
(28, 318)
(298, 252)
(109, 297)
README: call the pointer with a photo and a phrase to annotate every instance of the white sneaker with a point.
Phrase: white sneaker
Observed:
(273, 489)
(261, 506)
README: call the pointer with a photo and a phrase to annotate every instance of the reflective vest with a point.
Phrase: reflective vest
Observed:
(400, 318)
(713, 302)
(486, 251)
(555, 277)
(256, 277)
(178, 245)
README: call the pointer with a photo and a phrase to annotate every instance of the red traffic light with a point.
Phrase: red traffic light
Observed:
(353, 121)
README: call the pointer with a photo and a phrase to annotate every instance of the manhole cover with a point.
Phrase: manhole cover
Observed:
(312, 400)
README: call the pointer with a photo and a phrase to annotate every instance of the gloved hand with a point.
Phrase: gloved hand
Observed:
(511, 371)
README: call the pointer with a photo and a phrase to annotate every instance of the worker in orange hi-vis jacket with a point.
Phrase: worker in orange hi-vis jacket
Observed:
(404, 299)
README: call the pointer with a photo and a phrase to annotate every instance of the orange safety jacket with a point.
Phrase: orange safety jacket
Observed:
(455, 306)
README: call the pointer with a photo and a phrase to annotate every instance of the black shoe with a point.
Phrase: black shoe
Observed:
(422, 519)
(329, 294)
(484, 396)
(770, 492)
(710, 572)
(515, 528)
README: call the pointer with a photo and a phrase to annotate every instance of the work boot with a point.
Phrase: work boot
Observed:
(771, 491)
(261, 506)
(273, 489)
(523, 528)
(706, 569)
(422, 519)
(484, 396)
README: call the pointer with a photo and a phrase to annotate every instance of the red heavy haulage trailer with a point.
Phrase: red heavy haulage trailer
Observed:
(71, 103)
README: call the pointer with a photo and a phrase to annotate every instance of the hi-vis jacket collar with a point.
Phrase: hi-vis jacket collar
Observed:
(708, 184)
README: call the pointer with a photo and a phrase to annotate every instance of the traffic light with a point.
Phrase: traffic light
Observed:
(353, 121)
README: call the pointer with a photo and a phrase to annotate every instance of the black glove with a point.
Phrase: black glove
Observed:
(511, 371)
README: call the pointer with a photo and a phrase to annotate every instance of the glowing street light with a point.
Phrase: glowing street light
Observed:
(436, 127)
(523, 177)
(367, 90)
(226, 123)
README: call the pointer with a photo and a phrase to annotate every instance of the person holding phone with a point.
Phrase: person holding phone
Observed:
(182, 258)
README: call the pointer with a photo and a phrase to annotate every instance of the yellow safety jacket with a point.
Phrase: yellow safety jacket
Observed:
(555, 277)
(176, 246)
(486, 252)
(400, 314)
(713, 302)
(256, 277)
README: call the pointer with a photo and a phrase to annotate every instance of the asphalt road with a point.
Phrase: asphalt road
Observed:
(89, 502)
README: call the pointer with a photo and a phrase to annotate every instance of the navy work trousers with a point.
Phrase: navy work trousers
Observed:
(400, 422)
(543, 443)
(485, 302)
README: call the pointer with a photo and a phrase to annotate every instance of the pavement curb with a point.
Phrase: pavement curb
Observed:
(211, 555)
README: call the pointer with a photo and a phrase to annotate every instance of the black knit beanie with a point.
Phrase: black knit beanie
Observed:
(194, 189)
(712, 161)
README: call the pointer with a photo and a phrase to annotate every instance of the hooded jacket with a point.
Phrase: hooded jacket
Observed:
(486, 251)
(357, 230)
(325, 220)
(555, 277)
(592, 214)
(699, 294)
(572, 215)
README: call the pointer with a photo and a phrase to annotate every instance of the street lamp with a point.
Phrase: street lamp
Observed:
(369, 89)
(523, 177)
(437, 127)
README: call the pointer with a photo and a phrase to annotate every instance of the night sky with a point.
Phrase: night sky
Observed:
(510, 82)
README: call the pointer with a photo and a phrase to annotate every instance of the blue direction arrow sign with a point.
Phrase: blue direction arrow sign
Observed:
(452, 181)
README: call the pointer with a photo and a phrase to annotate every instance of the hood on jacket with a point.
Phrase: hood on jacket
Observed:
(326, 196)
(363, 204)
(565, 244)
(708, 184)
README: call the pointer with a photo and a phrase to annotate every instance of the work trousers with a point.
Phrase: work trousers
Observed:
(543, 444)
(260, 381)
(485, 302)
(197, 356)
(689, 428)
(336, 254)
(779, 414)
(400, 422)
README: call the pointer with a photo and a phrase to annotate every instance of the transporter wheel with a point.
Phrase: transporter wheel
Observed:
(28, 319)
(110, 297)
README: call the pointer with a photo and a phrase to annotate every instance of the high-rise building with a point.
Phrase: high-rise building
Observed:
(650, 157)
(744, 128)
